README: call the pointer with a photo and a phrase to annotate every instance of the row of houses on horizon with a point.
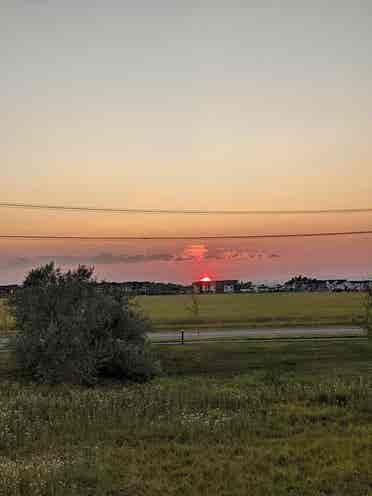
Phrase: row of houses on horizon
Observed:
(296, 284)
(207, 285)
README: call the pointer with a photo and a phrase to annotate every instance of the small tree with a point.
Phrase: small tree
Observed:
(71, 331)
(194, 308)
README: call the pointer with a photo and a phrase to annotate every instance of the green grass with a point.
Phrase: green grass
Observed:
(6, 321)
(232, 419)
(254, 310)
(240, 310)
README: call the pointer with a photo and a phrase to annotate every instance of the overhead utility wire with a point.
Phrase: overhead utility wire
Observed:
(71, 208)
(160, 238)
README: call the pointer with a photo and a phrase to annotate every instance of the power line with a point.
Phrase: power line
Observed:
(168, 238)
(71, 208)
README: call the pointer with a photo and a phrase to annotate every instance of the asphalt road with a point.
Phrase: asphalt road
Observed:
(174, 337)
(262, 333)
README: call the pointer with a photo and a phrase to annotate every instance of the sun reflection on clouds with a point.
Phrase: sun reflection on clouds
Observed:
(196, 252)
(180, 261)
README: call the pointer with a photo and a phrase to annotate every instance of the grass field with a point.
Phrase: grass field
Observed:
(239, 310)
(6, 321)
(233, 419)
(253, 310)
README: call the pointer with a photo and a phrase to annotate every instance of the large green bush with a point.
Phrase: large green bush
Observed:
(72, 330)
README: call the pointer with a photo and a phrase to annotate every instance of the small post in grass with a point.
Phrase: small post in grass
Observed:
(182, 337)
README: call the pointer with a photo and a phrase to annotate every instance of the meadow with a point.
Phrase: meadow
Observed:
(254, 310)
(6, 321)
(243, 310)
(283, 418)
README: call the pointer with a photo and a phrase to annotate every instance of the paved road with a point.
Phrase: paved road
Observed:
(264, 333)
(173, 337)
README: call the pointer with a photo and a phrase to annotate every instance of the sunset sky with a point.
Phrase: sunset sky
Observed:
(187, 105)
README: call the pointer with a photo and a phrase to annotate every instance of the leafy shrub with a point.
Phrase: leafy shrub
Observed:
(72, 331)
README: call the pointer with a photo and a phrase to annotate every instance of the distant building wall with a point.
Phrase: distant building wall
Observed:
(211, 287)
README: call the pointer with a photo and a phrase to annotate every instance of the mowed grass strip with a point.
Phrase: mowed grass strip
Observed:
(296, 420)
(254, 310)
(299, 358)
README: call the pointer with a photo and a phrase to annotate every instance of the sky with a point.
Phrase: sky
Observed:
(183, 104)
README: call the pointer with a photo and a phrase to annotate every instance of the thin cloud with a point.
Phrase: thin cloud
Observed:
(237, 254)
(191, 253)
(100, 259)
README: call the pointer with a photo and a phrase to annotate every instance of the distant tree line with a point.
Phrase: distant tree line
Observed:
(296, 283)
(147, 287)
(128, 288)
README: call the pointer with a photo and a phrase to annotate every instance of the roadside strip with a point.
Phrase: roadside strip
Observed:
(237, 335)
(261, 340)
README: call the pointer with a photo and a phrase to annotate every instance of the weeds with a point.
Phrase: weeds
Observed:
(71, 440)
(297, 420)
(6, 319)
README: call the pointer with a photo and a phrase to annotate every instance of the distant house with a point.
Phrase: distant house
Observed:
(358, 285)
(263, 288)
(207, 285)
(301, 283)
(337, 285)
(250, 289)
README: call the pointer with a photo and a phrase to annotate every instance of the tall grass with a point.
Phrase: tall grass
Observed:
(270, 431)
(7, 322)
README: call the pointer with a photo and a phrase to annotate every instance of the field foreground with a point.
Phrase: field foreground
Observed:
(254, 310)
(229, 419)
(243, 310)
